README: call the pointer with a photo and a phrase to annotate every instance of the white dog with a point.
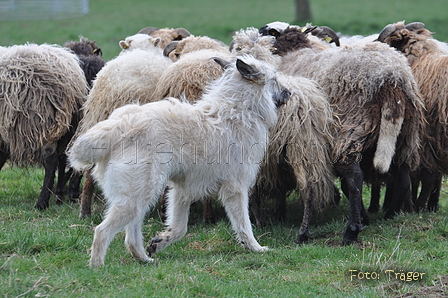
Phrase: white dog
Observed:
(213, 146)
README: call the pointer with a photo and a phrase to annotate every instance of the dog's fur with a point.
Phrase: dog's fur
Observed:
(213, 146)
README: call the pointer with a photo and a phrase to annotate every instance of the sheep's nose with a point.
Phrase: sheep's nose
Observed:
(282, 98)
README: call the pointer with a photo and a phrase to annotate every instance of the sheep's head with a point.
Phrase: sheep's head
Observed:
(175, 49)
(167, 35)
(292, 39)
(244, 41)
(84, 47)
(139, 41)
(401, 36)
(324, 33)
(274, 29)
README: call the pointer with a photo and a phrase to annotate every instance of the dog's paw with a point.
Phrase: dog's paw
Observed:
(157, 244)
(264, 249)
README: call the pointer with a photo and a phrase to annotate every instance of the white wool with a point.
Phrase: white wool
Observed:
(214, 146)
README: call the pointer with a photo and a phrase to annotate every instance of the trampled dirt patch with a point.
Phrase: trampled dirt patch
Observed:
(440, 289)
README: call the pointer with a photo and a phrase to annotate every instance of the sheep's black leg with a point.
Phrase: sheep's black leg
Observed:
(336, 196)
(430, 182)
(375, 197)
(4, 156)
(433, 202)
(50, 166)
(62, 179)
(74, 186)
(401, 190)
(207, 214)
(352, 181)
(255, 206)
(389, 196)
(279, 195)
(304, 232)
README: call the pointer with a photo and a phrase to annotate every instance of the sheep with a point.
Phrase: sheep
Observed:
(91, 61)
(131, 77)
(137, 41)
(232, 118)
(166, 35)
(42, 90)
(429, 60)
(298, 156)
(193, 69)
(176, 49)
(321, 36)
(379, 107)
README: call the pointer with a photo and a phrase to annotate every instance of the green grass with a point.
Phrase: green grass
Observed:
(45, 254)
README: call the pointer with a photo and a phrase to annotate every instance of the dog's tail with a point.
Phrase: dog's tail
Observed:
(392, 116)
(93, 146)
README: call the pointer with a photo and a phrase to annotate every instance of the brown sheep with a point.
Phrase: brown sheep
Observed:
(43, 89)
(429, 63)
(377, 102)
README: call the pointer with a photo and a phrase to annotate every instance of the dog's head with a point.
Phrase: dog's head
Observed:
(260, 73)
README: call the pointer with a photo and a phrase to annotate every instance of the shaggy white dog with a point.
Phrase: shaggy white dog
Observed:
(213, 146)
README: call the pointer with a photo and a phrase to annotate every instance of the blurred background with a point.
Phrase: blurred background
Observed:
(109, 21)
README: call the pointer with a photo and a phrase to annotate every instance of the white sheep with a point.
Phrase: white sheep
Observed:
(166, 35)
(131, 77)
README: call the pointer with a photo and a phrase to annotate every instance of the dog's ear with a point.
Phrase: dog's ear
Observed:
(248, 71)
(222, 62)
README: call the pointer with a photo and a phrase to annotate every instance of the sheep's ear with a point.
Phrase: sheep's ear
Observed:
(248, 71)
(222, 62)
(123, 45)
(156, 41)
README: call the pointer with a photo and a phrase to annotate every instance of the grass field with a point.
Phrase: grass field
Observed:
(45, 254)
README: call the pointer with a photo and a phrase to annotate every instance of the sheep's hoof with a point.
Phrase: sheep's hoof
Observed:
(351, 234)
(40, 206)
(302, 239)
(373, 209)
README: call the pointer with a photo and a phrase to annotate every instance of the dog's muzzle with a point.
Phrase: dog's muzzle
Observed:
(282, 98)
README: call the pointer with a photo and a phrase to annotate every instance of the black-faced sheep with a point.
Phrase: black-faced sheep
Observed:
(91, 61)
(429, 63)
(42, 90)
(378, 106)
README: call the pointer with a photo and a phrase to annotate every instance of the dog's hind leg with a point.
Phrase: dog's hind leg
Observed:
(134, 238)
(236, 203)
(177, 221)
(120, 214)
